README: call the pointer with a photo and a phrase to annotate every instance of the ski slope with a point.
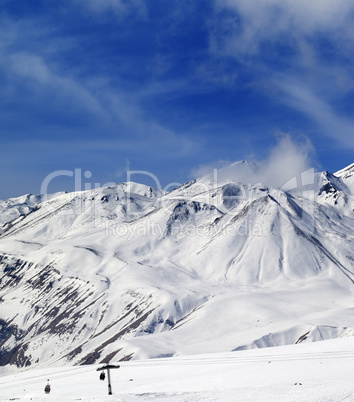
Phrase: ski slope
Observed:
(320, 371)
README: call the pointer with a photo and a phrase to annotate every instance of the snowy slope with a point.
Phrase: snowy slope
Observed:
(319, 371)
(128, 272)
(21, 206)
(347, 177)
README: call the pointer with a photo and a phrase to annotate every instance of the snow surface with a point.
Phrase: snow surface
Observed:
(129, 272)
(14, 207)
(319, 371)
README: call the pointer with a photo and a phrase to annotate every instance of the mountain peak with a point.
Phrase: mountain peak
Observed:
(346, 172)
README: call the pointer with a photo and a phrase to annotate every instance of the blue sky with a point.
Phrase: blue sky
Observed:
(169, 86)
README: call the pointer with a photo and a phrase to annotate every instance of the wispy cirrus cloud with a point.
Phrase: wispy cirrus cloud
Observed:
(294, 50)
(116, 113)
(56, 114)
(118, 7)
(32, 67)
(298, 95)
(252, 23)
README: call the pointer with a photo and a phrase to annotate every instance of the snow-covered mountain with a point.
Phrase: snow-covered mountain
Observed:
(217, 264)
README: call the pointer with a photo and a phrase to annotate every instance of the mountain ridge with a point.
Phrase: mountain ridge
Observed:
(127, 271)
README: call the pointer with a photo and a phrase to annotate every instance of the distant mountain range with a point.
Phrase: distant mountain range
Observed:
(128, 271)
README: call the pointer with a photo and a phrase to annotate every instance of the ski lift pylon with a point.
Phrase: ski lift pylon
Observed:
(108, 367)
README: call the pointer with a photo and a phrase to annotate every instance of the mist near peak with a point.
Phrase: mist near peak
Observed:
(286, 160)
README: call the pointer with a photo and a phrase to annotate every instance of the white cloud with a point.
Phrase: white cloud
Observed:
(317, 36)
(118, 7)
(287, 159)
(301, 97)
(116, 112)
(117, 116)
(33, 67)
(270, 20)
